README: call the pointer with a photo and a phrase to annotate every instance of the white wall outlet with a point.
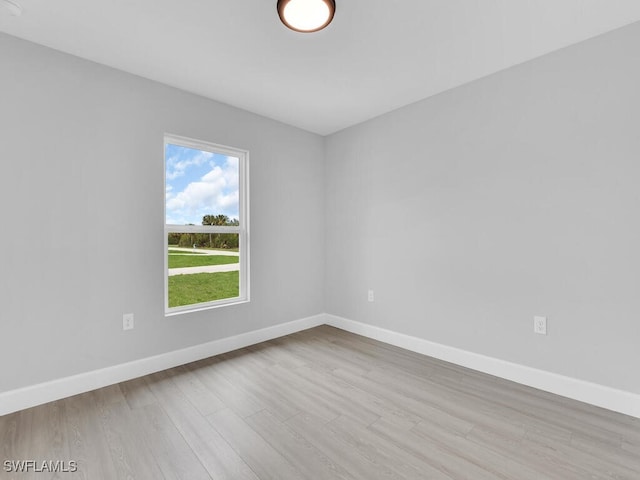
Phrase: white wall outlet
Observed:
(127, 321)
(540, 325)
(370, 295)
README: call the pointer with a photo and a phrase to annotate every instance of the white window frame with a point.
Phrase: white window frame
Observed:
(242, 230)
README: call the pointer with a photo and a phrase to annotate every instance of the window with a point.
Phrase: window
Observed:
(206, 225)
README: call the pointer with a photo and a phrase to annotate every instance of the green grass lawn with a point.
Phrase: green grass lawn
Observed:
(180, 261)
(202, 287)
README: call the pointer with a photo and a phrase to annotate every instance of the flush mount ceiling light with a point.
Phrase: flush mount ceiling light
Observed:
(306, 15)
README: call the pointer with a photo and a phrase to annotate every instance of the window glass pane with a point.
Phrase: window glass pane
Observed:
(202, 267)
(198, 184)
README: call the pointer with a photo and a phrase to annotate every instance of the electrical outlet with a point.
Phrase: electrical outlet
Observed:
(370, 295)
(127, 321)
(540, 325)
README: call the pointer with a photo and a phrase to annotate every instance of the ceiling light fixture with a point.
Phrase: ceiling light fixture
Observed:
(13, 7)
(306, 15)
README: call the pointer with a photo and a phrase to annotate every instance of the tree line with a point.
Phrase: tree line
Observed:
(208, 240)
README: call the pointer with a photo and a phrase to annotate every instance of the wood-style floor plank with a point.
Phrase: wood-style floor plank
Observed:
(297, 449)
(201, 397)
(137, 393)
(332, 446)
(173, 454)
(365, 442)
(130, 455)
(323, 404)
(232, 396)
(435, 453)
(263, 459)
(257, 383)
(86, 439)
(215, 454)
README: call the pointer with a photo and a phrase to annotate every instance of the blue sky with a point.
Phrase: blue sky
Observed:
(199, 183)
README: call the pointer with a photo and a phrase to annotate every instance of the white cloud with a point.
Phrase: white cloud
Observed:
(215, 193)
(176, 167)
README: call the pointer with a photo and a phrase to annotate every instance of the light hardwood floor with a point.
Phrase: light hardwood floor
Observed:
(323, 404)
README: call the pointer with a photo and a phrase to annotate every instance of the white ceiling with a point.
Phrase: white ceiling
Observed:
(376, 56)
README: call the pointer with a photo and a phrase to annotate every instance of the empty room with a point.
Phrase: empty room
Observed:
(320, 239)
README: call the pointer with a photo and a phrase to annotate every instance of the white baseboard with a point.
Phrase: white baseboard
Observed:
(31, 396)
(592, 393)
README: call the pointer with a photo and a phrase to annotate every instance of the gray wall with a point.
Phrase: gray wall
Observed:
(517, 195)
(467, 213)
(81, 202)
